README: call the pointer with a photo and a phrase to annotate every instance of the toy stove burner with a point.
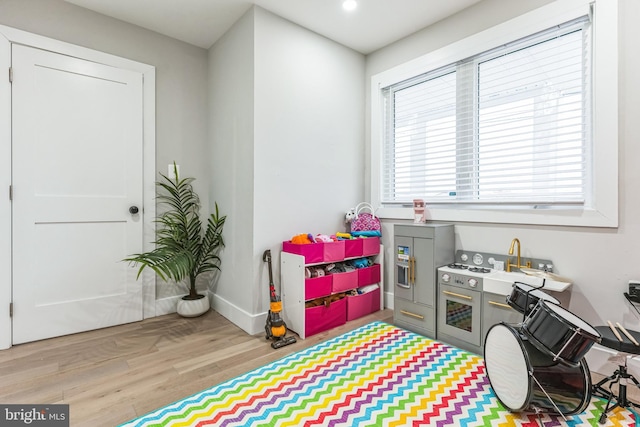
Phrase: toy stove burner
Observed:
(458, 266)
(479, 270)
(473, 269)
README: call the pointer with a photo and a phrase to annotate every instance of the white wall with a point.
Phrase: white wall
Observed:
(305, 167)
(231, 161)
(600, 261)
(309, 135)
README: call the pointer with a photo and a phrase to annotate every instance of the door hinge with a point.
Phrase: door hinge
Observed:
(10, 309)
(10, 74)
(11, 193)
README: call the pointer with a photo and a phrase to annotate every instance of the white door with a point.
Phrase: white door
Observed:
(77, 169)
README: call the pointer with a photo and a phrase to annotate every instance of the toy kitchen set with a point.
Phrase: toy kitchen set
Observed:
(456, 296)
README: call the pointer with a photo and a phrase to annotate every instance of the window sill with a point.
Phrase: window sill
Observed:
(578, 217)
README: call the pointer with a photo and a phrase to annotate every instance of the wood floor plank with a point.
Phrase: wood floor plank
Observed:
(12, 376)
(226, 352)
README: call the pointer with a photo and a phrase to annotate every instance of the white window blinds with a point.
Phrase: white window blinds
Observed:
(510, 126)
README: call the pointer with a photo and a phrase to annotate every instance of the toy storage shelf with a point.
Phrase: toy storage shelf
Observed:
(297, 290)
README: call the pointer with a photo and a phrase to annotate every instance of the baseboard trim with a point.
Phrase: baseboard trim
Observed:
(250, 323)
(167, 305)
(388, 300)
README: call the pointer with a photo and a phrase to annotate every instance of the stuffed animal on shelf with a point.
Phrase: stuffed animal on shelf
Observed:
(323, 238)
(350, 215)
(302, 239)
(361, 263)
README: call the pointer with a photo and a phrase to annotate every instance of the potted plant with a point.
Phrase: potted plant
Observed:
(183, 249)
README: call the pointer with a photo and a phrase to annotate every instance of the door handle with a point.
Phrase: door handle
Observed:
(133, 210)
(412, 270)
(453, 294)
(408, 313)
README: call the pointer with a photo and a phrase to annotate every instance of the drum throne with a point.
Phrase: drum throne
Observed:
(605, 388)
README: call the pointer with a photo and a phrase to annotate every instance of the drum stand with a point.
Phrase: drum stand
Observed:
(621, 376)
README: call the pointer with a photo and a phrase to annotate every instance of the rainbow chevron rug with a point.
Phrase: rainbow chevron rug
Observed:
(376, 375)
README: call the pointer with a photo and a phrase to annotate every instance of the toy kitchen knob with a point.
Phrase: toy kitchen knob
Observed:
(133, 210)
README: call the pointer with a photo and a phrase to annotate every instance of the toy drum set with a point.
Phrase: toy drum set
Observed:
(538, 365)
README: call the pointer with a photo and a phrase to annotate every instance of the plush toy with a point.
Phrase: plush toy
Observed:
(302, 239)
(350, 215)
(323, 238)
(360, 262)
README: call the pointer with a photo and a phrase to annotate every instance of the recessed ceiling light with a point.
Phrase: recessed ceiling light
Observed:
(349, 4)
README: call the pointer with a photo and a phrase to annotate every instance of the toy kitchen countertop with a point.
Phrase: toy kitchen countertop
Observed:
(482, 267)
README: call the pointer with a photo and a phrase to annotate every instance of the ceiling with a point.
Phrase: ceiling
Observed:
(372, 25)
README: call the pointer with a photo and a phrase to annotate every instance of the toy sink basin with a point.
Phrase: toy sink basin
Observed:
(501, 282)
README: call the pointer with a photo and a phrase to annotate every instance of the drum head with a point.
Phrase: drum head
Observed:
(507, 366)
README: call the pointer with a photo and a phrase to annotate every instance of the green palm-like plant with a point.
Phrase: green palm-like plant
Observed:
(182, 248)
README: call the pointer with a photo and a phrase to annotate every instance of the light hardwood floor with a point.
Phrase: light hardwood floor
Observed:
(112, 375)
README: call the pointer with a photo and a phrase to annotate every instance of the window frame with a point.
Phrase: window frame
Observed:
(604, 207)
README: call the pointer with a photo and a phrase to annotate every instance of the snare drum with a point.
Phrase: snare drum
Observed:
(524, 379)
(559, 332)
(524, 297)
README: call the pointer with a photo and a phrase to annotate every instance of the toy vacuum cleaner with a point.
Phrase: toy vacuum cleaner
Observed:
(275, 328)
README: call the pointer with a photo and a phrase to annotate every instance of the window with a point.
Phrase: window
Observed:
(508, 126)
(508, 129)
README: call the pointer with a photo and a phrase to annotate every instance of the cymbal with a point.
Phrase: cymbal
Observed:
(544, 274)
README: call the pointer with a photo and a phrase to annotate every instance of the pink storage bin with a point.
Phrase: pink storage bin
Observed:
(322, 318)
(353, 248)
(332, 251)
(312, 252)
(368, 275)
(317, 287)
(370, 246)
(315, 253)
(344, 281)
(363, 304)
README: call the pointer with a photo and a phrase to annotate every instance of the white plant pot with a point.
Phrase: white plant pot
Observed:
(194, 307)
